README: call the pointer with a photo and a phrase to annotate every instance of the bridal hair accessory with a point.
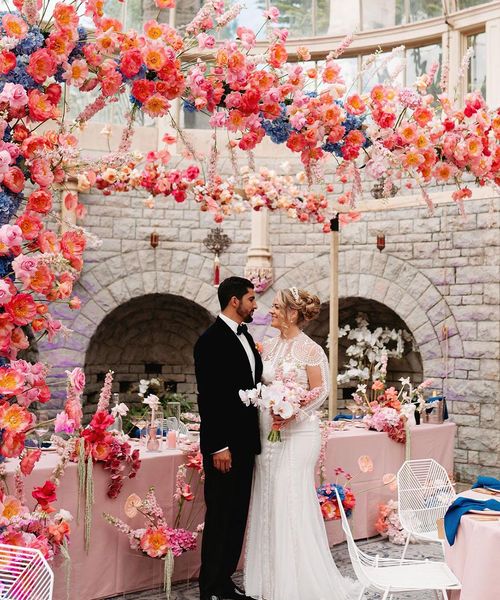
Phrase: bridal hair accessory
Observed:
(295, 293)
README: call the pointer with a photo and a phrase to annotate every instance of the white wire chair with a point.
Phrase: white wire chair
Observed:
(393, 575)
(424, 494)
(24, 574)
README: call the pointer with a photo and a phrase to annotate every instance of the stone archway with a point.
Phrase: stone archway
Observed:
(111, 283)
(378, 315)
(394, 283)
(148, 336)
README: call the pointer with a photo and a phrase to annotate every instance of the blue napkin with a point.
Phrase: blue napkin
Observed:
(489, 482)
(461, 506)
(341, 416)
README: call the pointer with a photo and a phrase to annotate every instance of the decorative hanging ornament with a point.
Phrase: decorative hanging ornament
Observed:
(216, 270)
(217, 242)
(381, 241)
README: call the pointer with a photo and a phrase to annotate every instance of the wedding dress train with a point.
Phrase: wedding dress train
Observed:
(287, 554)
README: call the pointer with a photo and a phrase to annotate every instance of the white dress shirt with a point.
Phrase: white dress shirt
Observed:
(246, 346)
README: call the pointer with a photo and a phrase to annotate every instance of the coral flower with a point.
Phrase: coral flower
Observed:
(29, 460)
(65, 16)
(22, 309)
(153, 30)
(443, 172)
(14, 26)
(155, 542)
(45, 495)
(277, 55)
(155, 58)
(76, 73)
(13, 418)
(42, 64)
(10, 507)
(156, 105)
(408, 132)
(355, 104)
(331, 72)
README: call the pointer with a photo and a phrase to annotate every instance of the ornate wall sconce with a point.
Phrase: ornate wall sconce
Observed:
(217, 242)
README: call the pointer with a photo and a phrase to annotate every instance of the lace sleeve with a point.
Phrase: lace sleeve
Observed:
(316, 365)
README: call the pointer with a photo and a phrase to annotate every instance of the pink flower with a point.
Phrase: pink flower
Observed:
(15, 95)
(11, 235)
(76, 379)
(5, 292)
(155, 542)
(41, 172)
(25, 266)
(205, 41)
(272, 14)
(63, 424)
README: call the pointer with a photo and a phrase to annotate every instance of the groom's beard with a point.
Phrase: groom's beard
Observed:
(247, 317)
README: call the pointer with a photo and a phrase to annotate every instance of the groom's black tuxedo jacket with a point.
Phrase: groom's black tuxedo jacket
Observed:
(222, 369)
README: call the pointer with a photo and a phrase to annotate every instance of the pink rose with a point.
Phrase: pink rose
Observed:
(5, 160)
(77, 379)
(205, 41)
(15, 95)
(5, 292)
(24, 266)
(11, 235)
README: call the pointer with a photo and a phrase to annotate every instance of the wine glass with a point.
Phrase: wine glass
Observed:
(40, 431)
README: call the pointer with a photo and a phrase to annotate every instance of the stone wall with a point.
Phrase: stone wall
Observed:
(439, 274)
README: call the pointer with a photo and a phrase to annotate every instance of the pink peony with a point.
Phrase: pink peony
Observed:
(5, 292)
(63, 424)
(25, 266)
(15, 95)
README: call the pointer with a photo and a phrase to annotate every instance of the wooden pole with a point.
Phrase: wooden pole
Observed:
(334, 316)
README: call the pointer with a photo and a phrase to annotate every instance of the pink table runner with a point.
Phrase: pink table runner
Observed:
(111, 568)
(474, 557)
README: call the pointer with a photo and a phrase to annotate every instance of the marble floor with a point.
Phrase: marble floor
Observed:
(189, 591)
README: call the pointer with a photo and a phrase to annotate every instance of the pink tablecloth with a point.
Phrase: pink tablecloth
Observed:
(111, 568)
(474, 557)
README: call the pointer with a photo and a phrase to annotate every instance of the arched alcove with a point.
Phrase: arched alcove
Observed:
(378, 315)
(149, 336)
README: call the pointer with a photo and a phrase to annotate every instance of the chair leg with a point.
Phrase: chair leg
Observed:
(406, 547)
(445, 594)
(436, 594)
(362, 593)
(386, 593)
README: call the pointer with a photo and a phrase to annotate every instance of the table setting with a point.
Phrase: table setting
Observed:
(472, 540)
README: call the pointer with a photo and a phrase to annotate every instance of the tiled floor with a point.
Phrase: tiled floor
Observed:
(378, 546)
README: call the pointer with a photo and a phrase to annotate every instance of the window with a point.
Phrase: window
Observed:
(476, 76)
(388, 13)
(461, 4)
(420, 60)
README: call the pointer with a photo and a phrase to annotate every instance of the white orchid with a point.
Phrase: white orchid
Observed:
(143, 386)
(152, 401)
(120, 409)
(284, 409)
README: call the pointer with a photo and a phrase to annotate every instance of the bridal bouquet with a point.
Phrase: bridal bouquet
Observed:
(283, 398)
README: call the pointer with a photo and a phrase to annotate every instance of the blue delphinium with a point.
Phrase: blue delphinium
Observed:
(19, 75)
(279, 129)
(188, 106)
(350, 123)
(33, 41)
(9, 203)
(5, 266)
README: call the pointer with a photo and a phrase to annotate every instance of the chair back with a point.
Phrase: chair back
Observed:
(358, 558)
(24, 573)
(424, 494)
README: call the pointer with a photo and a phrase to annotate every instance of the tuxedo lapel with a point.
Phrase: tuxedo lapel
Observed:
(233, 343)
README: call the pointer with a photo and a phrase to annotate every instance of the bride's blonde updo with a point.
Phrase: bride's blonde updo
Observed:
(306, 304)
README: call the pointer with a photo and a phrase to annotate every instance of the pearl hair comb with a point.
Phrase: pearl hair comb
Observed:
(295, 293)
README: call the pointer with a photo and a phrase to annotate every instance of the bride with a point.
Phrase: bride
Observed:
(287, 552)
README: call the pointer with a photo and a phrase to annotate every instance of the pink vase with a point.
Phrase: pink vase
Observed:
(152, 444)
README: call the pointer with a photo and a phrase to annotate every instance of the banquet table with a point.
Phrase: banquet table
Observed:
(111, 567)
(474, 557)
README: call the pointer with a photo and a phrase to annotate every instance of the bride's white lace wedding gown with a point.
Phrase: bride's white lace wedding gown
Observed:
(287, 554)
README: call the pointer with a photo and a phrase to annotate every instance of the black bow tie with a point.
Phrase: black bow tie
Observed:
(242, 328)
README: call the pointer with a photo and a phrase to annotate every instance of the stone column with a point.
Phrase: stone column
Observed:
(259, 260)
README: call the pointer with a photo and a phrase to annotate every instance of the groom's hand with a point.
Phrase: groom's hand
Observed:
(222, 461)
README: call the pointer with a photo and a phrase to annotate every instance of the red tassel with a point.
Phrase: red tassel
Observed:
(216, 271)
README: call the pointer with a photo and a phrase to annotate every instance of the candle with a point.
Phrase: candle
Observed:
(171, 439)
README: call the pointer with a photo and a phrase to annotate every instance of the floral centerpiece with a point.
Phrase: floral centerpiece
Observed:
(157, 539)
(389, 525)
(42, 527)
(284, 398)
(326, 491)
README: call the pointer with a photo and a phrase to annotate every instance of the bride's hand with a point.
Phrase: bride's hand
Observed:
(279, 422)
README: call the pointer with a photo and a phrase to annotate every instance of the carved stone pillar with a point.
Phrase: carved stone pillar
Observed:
(259, 262)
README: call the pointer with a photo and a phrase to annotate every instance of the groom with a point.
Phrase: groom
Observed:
(226, 361)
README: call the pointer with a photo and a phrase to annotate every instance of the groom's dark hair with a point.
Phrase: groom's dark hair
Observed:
(233, 286)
